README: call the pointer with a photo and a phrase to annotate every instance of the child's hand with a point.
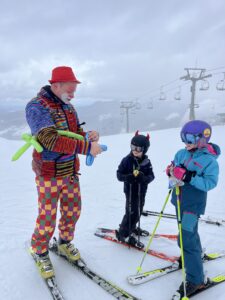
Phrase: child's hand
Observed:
(169, 169)
(181, 173)
(140, 178)
(130, 178)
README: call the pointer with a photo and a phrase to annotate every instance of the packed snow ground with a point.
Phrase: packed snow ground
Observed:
(103, 204)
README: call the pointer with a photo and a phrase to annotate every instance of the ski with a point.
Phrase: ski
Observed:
(150, 275)
(112, 238)
(51, 285)
(158, 235)
(208, 220)
(108, 286)
(211, 282)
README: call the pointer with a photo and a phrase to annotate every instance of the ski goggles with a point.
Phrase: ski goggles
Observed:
(189, 138)
(136, 148)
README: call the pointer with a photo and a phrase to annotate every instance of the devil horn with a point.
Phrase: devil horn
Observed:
(148, 136)
(137, 132)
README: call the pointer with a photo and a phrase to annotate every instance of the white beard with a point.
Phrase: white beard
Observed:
(65, 98)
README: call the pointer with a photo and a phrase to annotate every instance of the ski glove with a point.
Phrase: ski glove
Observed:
(140, 178)
(130, 178)
(181, 173)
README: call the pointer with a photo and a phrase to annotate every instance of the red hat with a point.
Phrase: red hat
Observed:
(63, 74)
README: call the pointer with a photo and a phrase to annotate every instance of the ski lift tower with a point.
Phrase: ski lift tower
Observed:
(194, 74)
(127, 105)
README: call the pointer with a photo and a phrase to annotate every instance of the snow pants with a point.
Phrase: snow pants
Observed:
(65, 190)
(192, 248)
(132, 214)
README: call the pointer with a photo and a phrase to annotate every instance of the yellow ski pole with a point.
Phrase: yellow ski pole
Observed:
(139, 268)
(181, 242)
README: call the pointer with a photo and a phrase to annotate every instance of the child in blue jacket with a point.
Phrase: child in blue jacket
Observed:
(196, 166)
(135, 170)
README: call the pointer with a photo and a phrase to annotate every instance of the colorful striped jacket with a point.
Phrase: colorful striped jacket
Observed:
(45, 114)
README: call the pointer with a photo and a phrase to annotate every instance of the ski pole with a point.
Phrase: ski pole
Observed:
(139, 268)
(207, 220)
(129, 209)
(136, 173)
(181, 241)
(139, 211)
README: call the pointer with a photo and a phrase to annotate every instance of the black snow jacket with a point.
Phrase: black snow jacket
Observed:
(126, 168)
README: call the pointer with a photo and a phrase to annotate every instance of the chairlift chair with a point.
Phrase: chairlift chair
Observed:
(204, 85)
(162, 95)
(221, 84)
(137, 105)
(177, 95)
(150, 105)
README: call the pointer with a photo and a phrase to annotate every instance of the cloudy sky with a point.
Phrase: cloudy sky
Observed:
(119, 49)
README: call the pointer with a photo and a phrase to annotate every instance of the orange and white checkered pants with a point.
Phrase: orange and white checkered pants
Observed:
(65, 189)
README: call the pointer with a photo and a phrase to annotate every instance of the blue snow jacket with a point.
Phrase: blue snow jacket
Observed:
(203, 161)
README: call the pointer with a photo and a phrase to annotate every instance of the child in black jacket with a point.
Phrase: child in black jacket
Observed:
(135, 170)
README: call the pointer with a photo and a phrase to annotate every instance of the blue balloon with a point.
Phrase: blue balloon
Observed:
(90, 158)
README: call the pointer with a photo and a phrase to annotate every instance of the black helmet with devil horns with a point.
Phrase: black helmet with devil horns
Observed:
(142, 141)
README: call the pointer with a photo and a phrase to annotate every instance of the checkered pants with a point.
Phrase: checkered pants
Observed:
(65, 189)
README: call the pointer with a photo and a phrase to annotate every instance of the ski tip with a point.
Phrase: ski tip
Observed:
(219, 278)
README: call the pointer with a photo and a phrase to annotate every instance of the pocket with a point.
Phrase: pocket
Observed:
(189, 221)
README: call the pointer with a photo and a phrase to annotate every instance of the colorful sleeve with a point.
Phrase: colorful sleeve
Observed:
(38, 117)
(50, 139)
(42, 125)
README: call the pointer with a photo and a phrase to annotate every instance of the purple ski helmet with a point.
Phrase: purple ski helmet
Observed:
(200, 130)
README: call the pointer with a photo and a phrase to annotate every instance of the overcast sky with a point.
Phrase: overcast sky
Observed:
(118, 48)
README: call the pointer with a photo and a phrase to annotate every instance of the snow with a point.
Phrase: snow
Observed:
(103, 204)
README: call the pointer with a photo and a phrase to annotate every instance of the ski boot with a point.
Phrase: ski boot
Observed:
(141, 232)
(43, 264)
(190, 289)
(134, 242)
(131, 240)
(68, 250)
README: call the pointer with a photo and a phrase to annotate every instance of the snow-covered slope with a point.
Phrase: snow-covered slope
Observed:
(102, 205)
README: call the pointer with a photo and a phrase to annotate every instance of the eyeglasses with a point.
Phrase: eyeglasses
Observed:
(189, 138)
(136, 148)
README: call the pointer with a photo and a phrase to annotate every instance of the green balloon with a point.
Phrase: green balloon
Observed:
(32, 140)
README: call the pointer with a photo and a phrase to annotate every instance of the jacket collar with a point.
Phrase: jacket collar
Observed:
(46, 92)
